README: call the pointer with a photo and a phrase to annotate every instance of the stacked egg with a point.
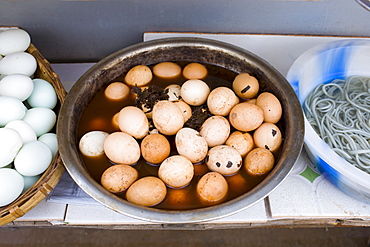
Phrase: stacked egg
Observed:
(27, 145)
(240, 132)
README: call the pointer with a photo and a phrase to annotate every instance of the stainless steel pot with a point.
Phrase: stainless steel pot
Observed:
(179, 49)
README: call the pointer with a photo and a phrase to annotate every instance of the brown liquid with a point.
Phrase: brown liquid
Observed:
(98, 116)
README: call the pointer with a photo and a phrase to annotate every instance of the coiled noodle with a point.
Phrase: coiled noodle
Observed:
(340, 114)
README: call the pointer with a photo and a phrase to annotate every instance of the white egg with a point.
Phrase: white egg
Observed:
(33, 158)
(10, 143)
(16, 85)
(194, 92)
(92, 143)
(11, 185)
(14, 40)
(18, 63)
(24, 129)
(42, 120)
(29, 181)
(43, 94)
(11, 109)
(50, 139)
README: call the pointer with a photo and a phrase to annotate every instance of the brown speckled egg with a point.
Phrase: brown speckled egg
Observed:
(259, 161)
(195, 71)
(221, 100)
(268, 136)
(246, 117)
(121, 148)
(212, 188)
(117, 91)
(215, 130)
(185, 109)
(118, 178)
(147, 191)
(176, 171)
(167, 117)
(191, 144)
(133, 121)
(140, 75)
(242, 142)
(167, 70)
(245, 86)
(270, 106)
(224, 160)
(155, 148)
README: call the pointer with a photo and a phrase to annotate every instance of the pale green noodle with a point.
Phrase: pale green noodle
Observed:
(340, 114)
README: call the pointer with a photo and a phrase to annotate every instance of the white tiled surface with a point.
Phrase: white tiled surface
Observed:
(299, 197)
(296, 198)
(253, 214)
(78, 214)
(45, 211)
(334, 203)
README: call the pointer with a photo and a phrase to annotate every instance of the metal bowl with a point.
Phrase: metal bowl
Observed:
(179, 49)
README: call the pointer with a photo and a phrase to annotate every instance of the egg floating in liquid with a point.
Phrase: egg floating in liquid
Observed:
(195, 71)
(215, 130)
(92, 143)
(242, 141)
(155, 148)
(221, 100)
(118, 178)
(212, 188)
(147, 191)
(270, 106)
(176, 171)
(224, 159)
(117, 91)
(27, 118)
(245, 86)
(198, 133)
(167, 70)
(167, 117)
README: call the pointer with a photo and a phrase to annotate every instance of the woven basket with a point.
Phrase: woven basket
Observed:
(49, 179)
